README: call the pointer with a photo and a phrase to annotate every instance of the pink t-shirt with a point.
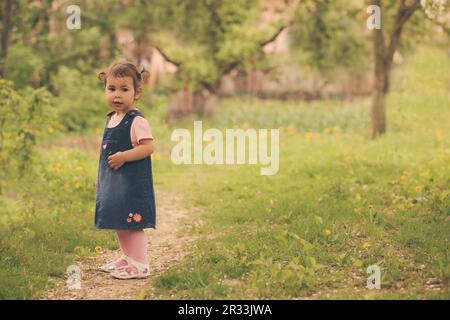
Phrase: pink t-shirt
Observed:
(140, 129)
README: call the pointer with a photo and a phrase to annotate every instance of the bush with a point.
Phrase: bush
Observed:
(22, 115)
(79, 103)
(23, 66)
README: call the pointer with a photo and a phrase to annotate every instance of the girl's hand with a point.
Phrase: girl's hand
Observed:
(116, 160)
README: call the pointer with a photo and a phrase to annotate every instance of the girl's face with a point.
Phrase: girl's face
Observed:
(120, 93)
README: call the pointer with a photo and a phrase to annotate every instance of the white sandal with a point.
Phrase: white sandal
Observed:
(126, 272)
(111, 265)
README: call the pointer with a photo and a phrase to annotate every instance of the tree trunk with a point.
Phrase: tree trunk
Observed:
(381, 86)
(6, 27)
(384, 54)
(377, 115)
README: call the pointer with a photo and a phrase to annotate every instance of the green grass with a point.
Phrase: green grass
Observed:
(47, 217)
(47, 223)
(339, 203)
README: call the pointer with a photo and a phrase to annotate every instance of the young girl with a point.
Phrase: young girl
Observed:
(125, 199)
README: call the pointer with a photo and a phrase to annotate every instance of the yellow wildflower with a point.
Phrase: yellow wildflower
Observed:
(309, 136)
(98, 249)
(439, 133)
(291, 129)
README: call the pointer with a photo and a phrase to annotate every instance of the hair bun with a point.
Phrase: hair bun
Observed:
(144, 74)
(102, 76)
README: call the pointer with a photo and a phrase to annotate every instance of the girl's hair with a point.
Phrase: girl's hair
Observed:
(124, 69)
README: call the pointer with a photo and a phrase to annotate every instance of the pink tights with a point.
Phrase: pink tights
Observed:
(133, 244)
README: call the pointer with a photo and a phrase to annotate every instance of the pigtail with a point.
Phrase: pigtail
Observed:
(102, 76)
(144, 75)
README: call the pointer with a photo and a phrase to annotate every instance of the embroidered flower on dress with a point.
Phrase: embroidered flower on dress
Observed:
(137, 217)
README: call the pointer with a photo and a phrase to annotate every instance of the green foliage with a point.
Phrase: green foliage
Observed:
(339, 203)
(79, 100)
(329, 36)
(145, 17)
(22, 120)
(36, 53)
(212, 36)
(44, 197)
(321, 117)
(207, 37)
(23, 66)
(80, 50)
(196, 66)
(49, 225)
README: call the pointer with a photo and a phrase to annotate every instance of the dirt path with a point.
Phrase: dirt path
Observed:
(168, 243)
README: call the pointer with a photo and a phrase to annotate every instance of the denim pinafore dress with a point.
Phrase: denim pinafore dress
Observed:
(125, 198)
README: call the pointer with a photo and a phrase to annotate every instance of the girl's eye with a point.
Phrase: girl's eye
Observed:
(125, 89)
(111, 89)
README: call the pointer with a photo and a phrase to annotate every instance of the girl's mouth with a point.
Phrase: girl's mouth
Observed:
(117, 103)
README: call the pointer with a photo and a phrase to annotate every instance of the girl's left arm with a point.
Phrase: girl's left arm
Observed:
(143, 150)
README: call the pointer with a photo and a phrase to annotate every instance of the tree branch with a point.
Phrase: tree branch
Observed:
(404, 12)
(272, 38)
(166, 57)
